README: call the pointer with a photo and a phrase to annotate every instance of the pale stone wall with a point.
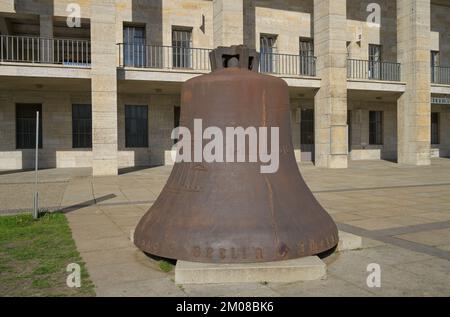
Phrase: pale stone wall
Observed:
(384, 34)
(409, 30)
(360, 147)
(414, 40)
(228, 22)
(104, 88)
(331, 100)
(7, 6)
(160, 16)
(441, 32)
(57, 148)
(57, 7)
(160, 126)
(289, 20)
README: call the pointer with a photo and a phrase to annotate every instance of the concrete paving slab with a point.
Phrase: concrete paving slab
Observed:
(230, 290)
(329, 287)
(432, 237)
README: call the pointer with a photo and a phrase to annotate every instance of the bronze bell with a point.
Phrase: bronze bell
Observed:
(231, 212)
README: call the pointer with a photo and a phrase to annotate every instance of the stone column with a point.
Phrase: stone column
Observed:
(46, 42)
(330, 25)
(104, 88)
(414, 106)
(228, 22)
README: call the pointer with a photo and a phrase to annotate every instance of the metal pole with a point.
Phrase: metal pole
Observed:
(36, 164)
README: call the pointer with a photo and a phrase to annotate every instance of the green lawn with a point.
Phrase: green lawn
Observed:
(34, 256)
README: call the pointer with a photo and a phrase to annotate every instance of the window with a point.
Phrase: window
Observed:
(349, 125)
(376, 127)
(435, 135)
(307, 134)
(435, 62)
(176, 119)
(349, 49)
(307, 127)
(134, 46)
(26, 126)
(136, 126)
(307, 57)
(182, 47)
(375, 62)
(435, 58)
(374, 53)
(306, 47)
(81, 126)
(268, 50)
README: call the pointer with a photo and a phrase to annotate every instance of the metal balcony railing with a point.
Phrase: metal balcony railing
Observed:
(440, 75)
(363, 69)
(286, 64)
(29, 49)
(197, 59)
(164, 57)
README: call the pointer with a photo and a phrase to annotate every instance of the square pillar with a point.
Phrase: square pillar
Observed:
(414, 106)
(46, 51)
(228, 22)
(330, 27)
(104, 88)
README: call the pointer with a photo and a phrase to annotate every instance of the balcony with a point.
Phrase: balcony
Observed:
(197, 60)
(37, 50)
(164, 57)
(440, 75)
(288, 65)
(370, 70)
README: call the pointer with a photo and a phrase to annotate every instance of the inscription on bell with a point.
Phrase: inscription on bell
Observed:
(243, 253)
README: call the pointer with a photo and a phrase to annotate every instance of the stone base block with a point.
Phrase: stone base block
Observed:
(304, 269)
(169, 158)
(348, 242)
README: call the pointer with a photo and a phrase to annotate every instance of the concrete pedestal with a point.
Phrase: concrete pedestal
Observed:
(305, 269)
(348, 242)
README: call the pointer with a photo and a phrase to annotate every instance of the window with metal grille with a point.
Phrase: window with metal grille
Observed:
(307, 57)
(134, 48)
(375, 57)
(435, 58)
(375, 53)
(81, 126)
(26, 126)
(307, 127)
(136, 126)
(176, 119)
(267, 55)
(435, 62)
(435, 135)
(306, 47)
(376, 127)
(182, 47)
(349, 125)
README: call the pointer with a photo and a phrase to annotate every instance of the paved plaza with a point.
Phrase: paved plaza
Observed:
(402, 213)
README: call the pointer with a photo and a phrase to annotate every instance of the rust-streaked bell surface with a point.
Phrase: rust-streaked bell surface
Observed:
(231, 212)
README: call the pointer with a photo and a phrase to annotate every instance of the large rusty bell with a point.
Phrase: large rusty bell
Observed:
(231, 212)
